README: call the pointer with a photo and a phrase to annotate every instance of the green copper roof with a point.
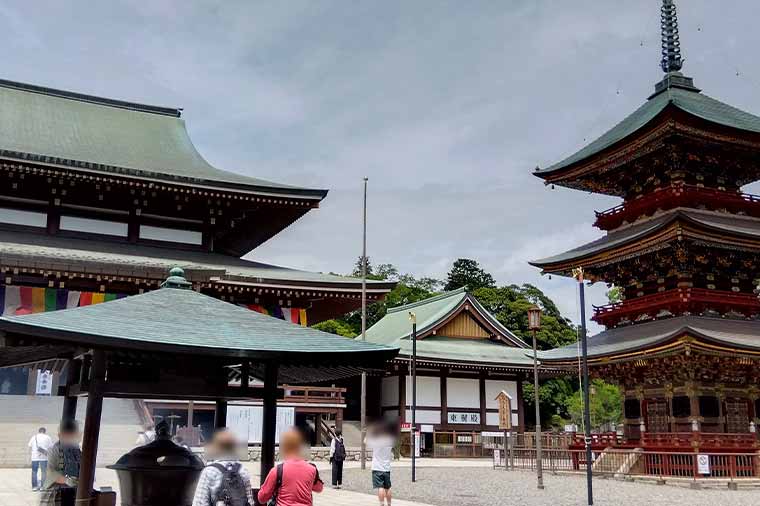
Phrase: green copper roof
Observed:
(684, 97)
(185, 321)
(104, 135)
(467, 350)
(395, 329)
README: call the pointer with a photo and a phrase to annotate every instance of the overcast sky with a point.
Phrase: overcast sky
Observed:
(446, 106)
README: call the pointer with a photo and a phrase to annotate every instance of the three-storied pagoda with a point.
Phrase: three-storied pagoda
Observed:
(684, 341)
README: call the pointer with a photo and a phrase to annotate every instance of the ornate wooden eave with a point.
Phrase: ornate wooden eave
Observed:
(685, 344)
(670, 125)
(679, 226)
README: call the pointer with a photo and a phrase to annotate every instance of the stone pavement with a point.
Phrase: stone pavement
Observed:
(15, 489)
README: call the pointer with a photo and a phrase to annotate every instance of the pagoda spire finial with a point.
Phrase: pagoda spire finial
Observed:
(671, 45)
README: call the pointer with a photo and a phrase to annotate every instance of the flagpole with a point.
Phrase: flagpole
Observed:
(364, 329)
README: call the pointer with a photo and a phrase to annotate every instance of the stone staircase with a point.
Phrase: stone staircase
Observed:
(21, 416)
(616, 462)
(352, 433)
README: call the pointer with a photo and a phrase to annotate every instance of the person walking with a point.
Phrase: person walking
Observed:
(146, 436)
(224, 481)
(381, 440)
(40, 445)
(337, 457)
(292, 482)
(63, 467)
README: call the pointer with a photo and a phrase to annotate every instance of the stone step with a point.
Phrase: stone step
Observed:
(352, 433)
(21, 416)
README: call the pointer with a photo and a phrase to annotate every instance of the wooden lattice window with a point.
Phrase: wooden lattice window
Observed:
(737, 416)
(657, 416)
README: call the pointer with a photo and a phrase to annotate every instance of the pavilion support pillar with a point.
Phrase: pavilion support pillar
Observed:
(220, 415)
(444, 396)
(752, 409)
(73, 370)
(190, 413)
(669, 399)
(401, 397)
(520, 401)
(269, 425)
(91, 429)
(483, 401)
(642, 411)
(694, 414)
(339, 420)
(318, 428)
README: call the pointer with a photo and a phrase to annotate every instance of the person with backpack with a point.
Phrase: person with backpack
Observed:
(39, 445)
(291, 482)
(224, 481)
(63, 464)
(337, 457)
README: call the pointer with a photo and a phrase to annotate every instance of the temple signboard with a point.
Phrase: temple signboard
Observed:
(467, 418)
(505, 410)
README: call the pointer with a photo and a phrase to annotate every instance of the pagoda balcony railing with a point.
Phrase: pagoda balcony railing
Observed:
(680, 195)
(674, 302)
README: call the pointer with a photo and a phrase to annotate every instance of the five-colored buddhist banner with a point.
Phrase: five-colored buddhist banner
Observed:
(20, 300)
(290, 314)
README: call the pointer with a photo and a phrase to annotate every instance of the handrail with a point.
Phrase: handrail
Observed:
(314, 394)
(676, 195)
(678, 298)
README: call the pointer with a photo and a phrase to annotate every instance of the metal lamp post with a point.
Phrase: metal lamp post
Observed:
(413, 319)
(578, 274)
(534, 324)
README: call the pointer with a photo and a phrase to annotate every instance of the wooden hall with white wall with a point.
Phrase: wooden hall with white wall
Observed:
(465, 357)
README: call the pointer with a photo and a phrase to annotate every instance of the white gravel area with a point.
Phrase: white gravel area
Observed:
(447, 486)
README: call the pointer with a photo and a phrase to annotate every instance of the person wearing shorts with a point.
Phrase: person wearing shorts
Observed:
(381, 441)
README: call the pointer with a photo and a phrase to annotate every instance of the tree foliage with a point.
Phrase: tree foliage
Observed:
(509, 304)
(338, 327)
(605, 405)
(614, 294)
(553, 395)
(468, 273)
(408, 289)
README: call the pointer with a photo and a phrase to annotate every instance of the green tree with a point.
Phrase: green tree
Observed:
(402, 294)
(408, 289)
(357, 272)
(553, 396)
(468, 273)
(605, 405)
(335, 327)
(509, 304)
(614, 294)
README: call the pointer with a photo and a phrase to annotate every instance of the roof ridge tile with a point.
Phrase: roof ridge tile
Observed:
(435, 298)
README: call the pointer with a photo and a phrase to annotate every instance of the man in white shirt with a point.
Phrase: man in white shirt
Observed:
(147, 436)
(381, 440)
(40, 445)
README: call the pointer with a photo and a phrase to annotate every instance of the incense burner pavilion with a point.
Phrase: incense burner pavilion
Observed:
(176, 342)
(684, 341)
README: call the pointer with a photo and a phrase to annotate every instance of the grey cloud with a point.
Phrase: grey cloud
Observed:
(446, 106)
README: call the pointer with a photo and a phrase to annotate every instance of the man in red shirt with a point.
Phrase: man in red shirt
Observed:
(298, 478)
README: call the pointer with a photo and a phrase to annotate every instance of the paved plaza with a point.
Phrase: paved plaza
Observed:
(460, 482)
